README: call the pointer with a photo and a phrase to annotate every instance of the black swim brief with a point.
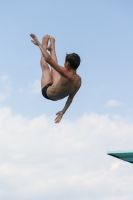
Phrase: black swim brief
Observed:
(44, 91)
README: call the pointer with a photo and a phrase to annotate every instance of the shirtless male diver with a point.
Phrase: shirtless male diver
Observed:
(60, 82)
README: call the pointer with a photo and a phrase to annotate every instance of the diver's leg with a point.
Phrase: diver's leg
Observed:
(51, 48)
(46, 74)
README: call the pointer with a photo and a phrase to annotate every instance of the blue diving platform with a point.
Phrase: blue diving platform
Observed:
(123, 155)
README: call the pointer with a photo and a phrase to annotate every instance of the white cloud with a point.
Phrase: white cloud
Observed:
(5, 87)
(43, 160)
(5, 77)
(20, 91)
(113, 103)
(3, 96)
(17, 156)
(35, 87)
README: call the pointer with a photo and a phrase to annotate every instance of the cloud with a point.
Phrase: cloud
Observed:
(3, 96)
(113, 103)
(5, 77)
(43, 160)
(35, 87)
(5, 87)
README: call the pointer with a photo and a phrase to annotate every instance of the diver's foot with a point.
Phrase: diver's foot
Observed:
(52, 43)
(45, 41)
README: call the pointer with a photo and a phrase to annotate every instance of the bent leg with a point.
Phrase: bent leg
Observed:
(54, 74)
(46, 74)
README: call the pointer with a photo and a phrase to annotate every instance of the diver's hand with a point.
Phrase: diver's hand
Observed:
(35, 40)
(59, 116)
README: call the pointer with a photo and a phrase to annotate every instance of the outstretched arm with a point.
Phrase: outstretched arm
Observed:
(68, 103)
(47, 57)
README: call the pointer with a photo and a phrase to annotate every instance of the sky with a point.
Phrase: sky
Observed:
(67, 161)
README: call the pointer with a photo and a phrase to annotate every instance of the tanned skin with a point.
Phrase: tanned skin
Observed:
(66, 82)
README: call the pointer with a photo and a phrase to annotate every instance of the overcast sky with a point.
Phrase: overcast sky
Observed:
(43, 160)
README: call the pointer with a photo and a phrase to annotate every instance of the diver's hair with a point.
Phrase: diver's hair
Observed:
(73, 59)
